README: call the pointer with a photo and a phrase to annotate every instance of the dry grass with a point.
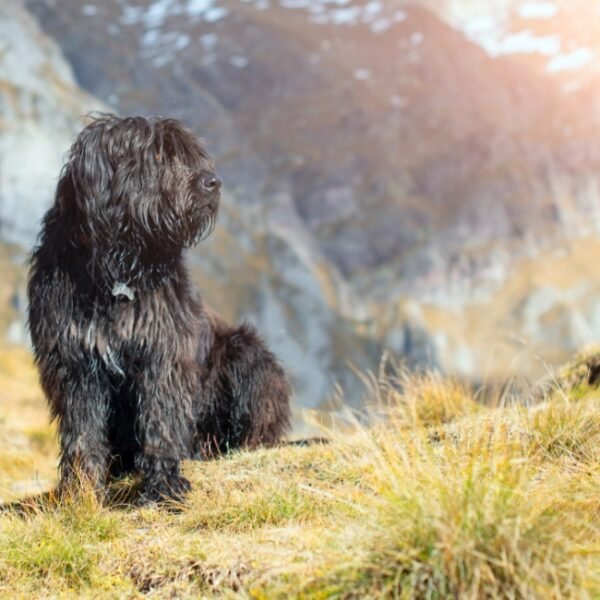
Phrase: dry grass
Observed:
(444, 498)
(27, 440)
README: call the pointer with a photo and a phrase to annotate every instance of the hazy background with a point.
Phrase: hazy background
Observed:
(418, 177)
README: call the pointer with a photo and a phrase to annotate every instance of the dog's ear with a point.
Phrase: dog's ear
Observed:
(66, 198)
(84, 187)
(89, 171)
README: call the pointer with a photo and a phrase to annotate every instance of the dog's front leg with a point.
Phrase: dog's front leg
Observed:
(164, 430)
(82, 426)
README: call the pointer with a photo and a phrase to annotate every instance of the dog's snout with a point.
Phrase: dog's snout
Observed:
(209, 181)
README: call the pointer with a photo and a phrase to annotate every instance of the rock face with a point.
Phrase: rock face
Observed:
(391, 181)
(40, 104)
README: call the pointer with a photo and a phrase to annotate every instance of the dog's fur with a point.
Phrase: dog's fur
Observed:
(137, 370)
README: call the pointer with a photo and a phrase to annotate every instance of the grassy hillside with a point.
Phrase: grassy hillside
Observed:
(443, 498)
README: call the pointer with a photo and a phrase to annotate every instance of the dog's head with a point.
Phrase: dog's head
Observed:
(145, 183)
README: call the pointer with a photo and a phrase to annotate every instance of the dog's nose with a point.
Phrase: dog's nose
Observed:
(210, 182)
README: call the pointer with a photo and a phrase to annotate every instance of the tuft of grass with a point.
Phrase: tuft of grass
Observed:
(578, 379)
(434, 400)
(568, 428)
(56, 548)
(419, 399)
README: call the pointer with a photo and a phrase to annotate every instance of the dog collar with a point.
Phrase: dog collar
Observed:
(122, 290)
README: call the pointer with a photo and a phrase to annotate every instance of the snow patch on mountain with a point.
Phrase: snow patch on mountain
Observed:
(526, 42)
(537, 10)
(570, 61)
(531, 27)
(374, 13)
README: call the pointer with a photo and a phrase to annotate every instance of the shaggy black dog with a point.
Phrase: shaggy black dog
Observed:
(137, 370)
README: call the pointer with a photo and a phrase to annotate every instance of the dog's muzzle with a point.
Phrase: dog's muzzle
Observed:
(209, 182)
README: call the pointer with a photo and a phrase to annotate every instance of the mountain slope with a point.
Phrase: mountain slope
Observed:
(388, 130)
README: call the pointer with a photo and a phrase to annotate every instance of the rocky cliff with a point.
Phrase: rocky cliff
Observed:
(40, 110)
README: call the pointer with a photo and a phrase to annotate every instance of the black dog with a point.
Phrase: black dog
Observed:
(139, 373)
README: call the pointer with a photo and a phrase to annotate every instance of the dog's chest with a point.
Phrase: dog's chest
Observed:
(108, 334)
(121, 323)
(121, 334)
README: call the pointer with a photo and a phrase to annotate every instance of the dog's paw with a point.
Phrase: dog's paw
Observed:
(181, 486)
(164, 492)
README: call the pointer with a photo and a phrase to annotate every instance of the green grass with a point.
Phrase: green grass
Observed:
(442, 498)
(57, 548)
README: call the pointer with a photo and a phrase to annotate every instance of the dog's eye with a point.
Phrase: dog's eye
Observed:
(158, 157)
